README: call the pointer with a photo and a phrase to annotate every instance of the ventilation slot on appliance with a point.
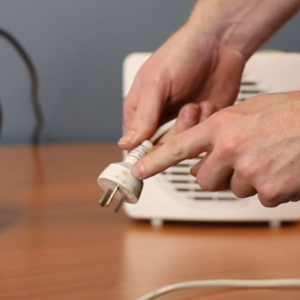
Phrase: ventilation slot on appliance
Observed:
(186, 185)
(249, 88)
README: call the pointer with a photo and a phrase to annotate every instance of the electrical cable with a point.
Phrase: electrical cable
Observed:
(1, 118)
(223, 283)
(162, 130)
(35, 138)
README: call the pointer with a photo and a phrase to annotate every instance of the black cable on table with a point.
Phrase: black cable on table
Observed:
(36, 134)
(1, 119)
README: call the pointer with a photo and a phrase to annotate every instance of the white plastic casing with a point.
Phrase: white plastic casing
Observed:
(120, 174)
(163, 199)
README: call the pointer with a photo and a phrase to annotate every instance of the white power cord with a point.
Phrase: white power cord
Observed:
(117, 181)
(223, 283)
(162, 130)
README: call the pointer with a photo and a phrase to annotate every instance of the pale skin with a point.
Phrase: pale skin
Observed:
(252, 148)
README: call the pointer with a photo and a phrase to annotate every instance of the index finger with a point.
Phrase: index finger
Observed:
(187, 144)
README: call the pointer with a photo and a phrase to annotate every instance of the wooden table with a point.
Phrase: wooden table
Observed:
(57, 243)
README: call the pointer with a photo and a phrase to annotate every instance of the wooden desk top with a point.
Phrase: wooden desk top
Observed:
(57, 243)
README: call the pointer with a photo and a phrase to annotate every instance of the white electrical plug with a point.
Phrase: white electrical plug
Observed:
(117, 181)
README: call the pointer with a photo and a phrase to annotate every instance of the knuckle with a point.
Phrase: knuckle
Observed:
(147, 77)
(245, 192)
(269, 194)
(225, 120)
(129, 108)
(238, 193)
(247, 169)
(205, 183)
(223, 117)
(176, 149)
(228, 149)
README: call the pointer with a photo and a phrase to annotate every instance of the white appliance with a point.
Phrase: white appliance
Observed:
(175, 194)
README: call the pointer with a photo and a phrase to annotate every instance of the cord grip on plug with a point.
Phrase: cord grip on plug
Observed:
(118, 182)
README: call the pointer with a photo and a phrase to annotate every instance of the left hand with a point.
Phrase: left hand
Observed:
(252, 147)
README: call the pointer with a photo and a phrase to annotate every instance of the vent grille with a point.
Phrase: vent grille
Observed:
(179, 178)
(249, 88)
(186, 185)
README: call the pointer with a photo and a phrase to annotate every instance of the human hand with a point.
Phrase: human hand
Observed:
(252, 147)
(203, 60)
(190, 115)
(184, 70)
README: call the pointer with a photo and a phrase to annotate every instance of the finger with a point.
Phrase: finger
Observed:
(130, 104)
(152, 99)
(197, 166)
(188, 144)
(214, 174)
(187, 118)
(272, 193)
(240, 187)
(207, 109)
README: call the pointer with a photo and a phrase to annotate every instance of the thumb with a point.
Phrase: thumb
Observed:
(141, 124)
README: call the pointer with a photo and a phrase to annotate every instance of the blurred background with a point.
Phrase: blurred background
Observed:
(78, 48)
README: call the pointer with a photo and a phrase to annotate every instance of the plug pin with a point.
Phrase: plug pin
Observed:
(120, 204)
(108, 196)
(105, 197)
(112, 195)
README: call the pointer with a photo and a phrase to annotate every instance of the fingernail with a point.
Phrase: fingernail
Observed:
(127, 138)
(191, 112)
(138, 171)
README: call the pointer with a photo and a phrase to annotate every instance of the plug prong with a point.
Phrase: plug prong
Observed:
(105, 197)
(112, 195)
(120, 203)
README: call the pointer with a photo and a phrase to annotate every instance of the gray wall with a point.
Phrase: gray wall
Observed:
(78, 47)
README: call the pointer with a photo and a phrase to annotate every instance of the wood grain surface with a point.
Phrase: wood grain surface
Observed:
(57, 243)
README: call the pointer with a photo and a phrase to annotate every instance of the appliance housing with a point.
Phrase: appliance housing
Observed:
(175, 194)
